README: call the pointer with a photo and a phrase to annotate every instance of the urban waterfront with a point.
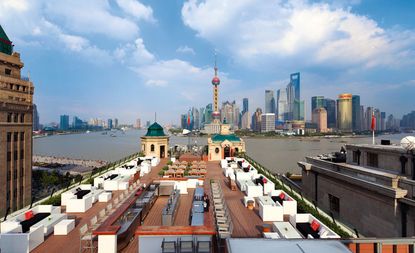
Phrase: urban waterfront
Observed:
(279, 155)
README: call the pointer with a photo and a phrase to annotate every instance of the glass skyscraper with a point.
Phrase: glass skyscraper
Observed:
(269, 101)
(317, 102)
(64, 122)
(245, 107)
(330, 106)
(356, 120)
(293, 97)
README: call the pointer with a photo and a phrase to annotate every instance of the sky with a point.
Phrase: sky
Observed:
(130, 59)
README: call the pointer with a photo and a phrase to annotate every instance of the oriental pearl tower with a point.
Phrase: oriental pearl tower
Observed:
(215, 83)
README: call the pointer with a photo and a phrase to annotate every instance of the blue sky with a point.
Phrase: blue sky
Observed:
(128, 59)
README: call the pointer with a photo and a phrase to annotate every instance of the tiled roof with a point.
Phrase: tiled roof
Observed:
(6, 45)
(223, 137)
(155, 130)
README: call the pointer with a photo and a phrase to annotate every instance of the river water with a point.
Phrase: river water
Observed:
(279, 155)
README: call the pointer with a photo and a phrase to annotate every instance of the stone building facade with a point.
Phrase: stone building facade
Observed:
(16, 112)
(373, 191)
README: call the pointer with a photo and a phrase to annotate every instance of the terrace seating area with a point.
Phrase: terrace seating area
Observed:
(274, 206)
(221, 212)
(81, 198)
(181, 169)
(24, 232)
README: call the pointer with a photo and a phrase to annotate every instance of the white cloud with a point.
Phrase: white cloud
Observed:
(136, 9)
(184, 80)
(186, 50)
(156, 83)
(308, 34)
(91, 17)
(134, 54)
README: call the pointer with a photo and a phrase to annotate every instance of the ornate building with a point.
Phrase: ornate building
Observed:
(155, 142)
(16, 111)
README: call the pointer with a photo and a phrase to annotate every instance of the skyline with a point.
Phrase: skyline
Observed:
(130, 58)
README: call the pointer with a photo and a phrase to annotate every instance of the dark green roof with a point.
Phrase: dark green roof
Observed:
(155, 130)
(223, 137)
(6, 45)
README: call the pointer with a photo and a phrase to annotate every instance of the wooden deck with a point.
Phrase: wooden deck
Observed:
(70, 243)
(246, 223)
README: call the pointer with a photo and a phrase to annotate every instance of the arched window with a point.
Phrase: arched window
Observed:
(152, 148)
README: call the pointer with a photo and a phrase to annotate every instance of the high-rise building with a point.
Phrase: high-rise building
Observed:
(256, 120)
(77, 123)
(230, 113)
(392, 124)
(293, 97)
(16, 126)
(383, 121)
(317, 102)
(109, 124)
(408, 120)
(299, 109)
(115, 123)
(344, 112)
(330, 106)
(245, 105)
(269, 101)
(268, 122)
(208, 114)
(362, 118)
(36, 124)
(282, 105)
(138, 123)
(320, 118)
(64, 122)
(356, 120)
(196, 118)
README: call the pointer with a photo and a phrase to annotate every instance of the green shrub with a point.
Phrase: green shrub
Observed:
(161, 173)
(54, 200)
(169, 163)
(165, 168)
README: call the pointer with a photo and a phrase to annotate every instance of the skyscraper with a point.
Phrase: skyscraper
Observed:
(245, 106)
(230, 113)
(317, 102)
(16, 125)
(368, 117)
(356, 120)
(344, 112)
(293, 97)
(208, 113)
(138, 123)
(109, 125)
(269, 101)
(267, 122)
(320, 118)
(64, 122)
(36, 124)
(256, 120)
(282, 105)
(330, 106)
(115, 123)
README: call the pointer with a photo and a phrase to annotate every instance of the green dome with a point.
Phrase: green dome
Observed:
(6, 45)
(155, 130)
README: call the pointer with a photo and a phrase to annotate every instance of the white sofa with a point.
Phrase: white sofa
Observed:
(269, 210)
(70, 194)
(75, 205)
(22, 242)
(289, 204)
(253, 190)
(323, 231)
(121, 182)
(269, 186)
(13, 224)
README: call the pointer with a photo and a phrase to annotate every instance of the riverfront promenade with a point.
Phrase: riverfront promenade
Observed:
(64, 161)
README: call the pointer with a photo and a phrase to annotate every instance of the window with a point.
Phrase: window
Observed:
(21, 153)
(9, 137)
(15, 155)
(14, 174)
(8, 195)
(9, 156)
(9, 175)
(21, 171)
(355, 156)
(9, 117)
(15, 137)
(152, 148)
(334, 203)
(8, 72)
(22, 118)
(372, 159)
(16, 117)
(22, 136)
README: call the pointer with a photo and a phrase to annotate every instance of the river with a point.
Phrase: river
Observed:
(279, 155)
